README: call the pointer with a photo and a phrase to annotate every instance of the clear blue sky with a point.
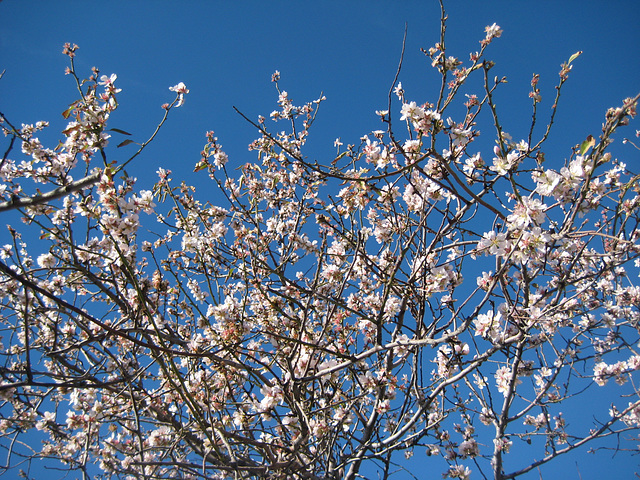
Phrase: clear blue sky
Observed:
(226, 51)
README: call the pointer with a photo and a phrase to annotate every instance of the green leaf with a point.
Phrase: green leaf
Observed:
(126, 142)
(339, 157)
(119, 131)
(587, 144)
(200, 166)
(574, 56)
(68, 111)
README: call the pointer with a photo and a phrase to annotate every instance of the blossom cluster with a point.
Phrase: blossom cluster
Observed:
(314, 315)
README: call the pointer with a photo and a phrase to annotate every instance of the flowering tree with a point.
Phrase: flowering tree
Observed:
(325, 319)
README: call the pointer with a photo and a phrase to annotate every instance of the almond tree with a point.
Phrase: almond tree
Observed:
(322, 319)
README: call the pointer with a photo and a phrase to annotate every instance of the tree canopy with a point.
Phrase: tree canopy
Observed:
(421, 292)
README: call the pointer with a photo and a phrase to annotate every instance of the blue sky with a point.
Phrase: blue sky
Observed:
(225, 52)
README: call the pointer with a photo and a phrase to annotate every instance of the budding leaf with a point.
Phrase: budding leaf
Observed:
(126, 142)
(68, 111)
(339, 157)
(119, 131)
(587, 144)
(574, 56)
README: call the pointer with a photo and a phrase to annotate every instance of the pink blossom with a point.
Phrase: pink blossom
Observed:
(503, 379)
(108, 82)
(492, 31)
(181, 90)
(493, 243)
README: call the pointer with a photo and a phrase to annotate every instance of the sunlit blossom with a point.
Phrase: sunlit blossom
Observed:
(181, 90)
